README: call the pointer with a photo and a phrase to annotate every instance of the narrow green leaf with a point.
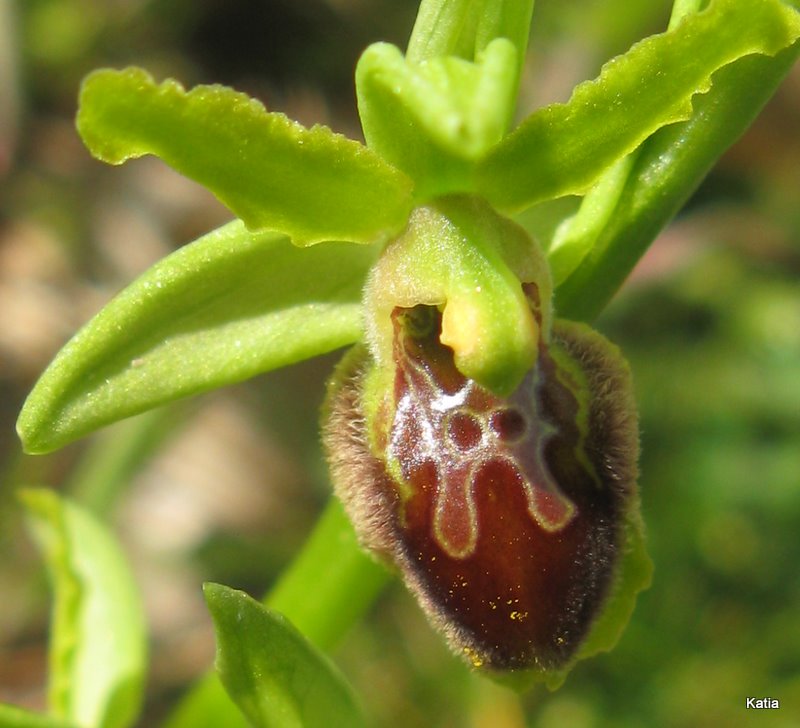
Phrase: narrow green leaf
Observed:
(435, 118)
(13, 717)
(229, 306)
(98, 642)
(345, 581)
(563, 148)
(276, 677)
(310, 184)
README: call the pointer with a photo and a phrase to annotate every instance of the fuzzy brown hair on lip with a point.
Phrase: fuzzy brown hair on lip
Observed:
(503, 515)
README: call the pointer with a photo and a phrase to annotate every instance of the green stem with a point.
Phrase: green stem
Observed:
(331, 583)
(668, 168)
(682, 8)
(325, 590)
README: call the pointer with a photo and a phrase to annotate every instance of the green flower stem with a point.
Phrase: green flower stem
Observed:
(682, 8)
(325, 590)
(668, 168)
(330, 584)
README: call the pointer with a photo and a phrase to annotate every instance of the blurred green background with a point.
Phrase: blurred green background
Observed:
(226, 487)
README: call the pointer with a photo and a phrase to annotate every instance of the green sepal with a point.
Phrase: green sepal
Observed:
(562, 149)
(276, 677)
(460, 255)
(654, 192)
(434, 119)
(229, 306)
(99, 640)
(310, 184)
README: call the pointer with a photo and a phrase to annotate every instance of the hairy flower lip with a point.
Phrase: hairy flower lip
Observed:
(523, 597)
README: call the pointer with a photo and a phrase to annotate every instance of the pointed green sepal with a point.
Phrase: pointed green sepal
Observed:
(310, 184)
(562, 149)
(229, 306)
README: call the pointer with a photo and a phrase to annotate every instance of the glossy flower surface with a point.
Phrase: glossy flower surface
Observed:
(503, 514)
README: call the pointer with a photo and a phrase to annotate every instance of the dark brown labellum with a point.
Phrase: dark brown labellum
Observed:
(502, 514)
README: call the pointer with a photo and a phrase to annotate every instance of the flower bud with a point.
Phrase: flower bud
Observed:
(507, 516)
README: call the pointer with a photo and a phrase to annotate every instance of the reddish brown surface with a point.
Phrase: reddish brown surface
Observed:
(515, 574)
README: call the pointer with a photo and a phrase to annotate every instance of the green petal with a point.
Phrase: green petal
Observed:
(310, 184)
(434, 119)
(463, 257)
(463, 28)
(229, 306)
(276, 677)
(98, 642)
(562, 149)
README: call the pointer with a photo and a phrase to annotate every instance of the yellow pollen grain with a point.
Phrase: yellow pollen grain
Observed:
(473, 657)
(518, 616)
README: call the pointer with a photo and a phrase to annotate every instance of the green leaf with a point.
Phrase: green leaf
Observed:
(310, 184)
(13, 717)
(98, 641)
(229, 306)
(345, 581)
(563, 148)
(435, 118)
(276, 677)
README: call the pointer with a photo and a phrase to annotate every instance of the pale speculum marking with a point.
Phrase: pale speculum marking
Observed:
(460, 429)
